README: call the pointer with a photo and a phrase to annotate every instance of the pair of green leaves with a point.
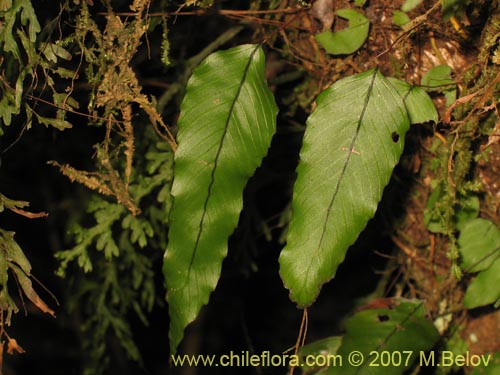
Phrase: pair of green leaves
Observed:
(353, 140)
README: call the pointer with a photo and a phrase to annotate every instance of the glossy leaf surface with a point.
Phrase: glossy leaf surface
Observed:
(353, 140)
(227, 120)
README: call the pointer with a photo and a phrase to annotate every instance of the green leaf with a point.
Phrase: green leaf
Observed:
(27, 12)
(409, 5)
(140, 229)
(450, 7)
(12, 252)
(26, 285)
(8, 105)
(105, 214)
(227, 120)
(349, 40)
(468, 209)
(403, 327)
(418, 103)
(65, 73)
(492, 367)
(12, 257)
(324, 348)
(433, 216)
(52, 51)
(28, 15)
(479, 245)
(465, 209)
(485, 288)
(10, 203)
(58, 123)
(439, 79)
(352, 142)
(106, 242)
(400, 18)
(359, 3)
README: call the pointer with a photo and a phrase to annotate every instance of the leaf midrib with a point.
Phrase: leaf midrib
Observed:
(217, 156)
(344, 167)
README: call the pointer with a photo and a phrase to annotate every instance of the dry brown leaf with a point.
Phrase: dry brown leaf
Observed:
(13, 346)
(462, 100)
(494, 136)
(27, 287)
(323, 11)
(29, 215)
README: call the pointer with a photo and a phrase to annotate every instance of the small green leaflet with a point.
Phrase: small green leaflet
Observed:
(439, 79)
(418, 103)
(359, 3)
(400, 18)
(409, 5)
(53, 51)
(353, 140)
(227, 120)
(349, 40)
(479, 245)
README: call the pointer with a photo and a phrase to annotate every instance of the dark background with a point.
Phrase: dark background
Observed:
(250, 309)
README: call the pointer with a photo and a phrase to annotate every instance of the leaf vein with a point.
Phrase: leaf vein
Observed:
(216, 160)
(346, 163)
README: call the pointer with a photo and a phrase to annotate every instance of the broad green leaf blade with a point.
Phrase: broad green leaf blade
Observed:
(485, 288)
(352, 142)
(479, 245)
(401, 329)
(349, 40)
(418, 103)
(227, 120)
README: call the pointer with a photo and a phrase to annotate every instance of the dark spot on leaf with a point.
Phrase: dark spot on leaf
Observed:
(395, 137)
(383, 318)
